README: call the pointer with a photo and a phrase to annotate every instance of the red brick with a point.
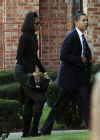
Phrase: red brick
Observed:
(92, 9)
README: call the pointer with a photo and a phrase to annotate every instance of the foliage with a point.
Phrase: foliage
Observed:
(52, 93)
(10, 91)
(52, 75)
(6, 77)
(95, 68)
(8, 113)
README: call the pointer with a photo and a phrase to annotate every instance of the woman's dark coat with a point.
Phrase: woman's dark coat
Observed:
(27, 53)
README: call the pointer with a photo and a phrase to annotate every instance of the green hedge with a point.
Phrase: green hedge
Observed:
(10, 91)
(52, 93)
(52, 75)
(10, 108)
(9, 114)
(6, 77)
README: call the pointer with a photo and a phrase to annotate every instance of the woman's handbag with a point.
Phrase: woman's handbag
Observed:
(42, 84)
(38, 90)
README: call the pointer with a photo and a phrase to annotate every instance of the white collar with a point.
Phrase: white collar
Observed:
(79, 32)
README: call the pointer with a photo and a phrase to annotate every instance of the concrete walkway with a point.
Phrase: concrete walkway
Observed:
(17, 136)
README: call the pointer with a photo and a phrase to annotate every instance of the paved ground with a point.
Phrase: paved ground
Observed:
(17, 136)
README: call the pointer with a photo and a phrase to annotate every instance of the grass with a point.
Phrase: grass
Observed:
(45, 113)
(69, 135)
(63, 136)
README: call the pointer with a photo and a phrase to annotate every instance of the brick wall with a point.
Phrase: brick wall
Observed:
(94, 27)
(13, 12)
(55, 18)
(1, 35)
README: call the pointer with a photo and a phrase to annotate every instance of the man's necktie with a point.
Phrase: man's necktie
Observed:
(84, 45)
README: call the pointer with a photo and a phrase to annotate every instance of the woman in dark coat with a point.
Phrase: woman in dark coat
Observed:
(25, 67)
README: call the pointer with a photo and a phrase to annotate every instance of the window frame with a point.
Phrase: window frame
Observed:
(74, 10)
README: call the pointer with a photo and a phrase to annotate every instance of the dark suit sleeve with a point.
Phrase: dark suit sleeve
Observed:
(67, 54)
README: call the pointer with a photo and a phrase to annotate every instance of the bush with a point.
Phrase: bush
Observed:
(72, 116)
(11, 110)
(95, 68)
(10, 91)
(52, 93)
(52, 75)
(6, 77)
(9, 114)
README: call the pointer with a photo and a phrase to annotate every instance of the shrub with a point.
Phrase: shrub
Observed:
(52, 93)
(52, 75)
(6, 77)
(95, 68)
(10, 91)
(9, 114)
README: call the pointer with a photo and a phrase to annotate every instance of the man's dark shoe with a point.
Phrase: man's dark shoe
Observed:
(25, 135)
(41, 133)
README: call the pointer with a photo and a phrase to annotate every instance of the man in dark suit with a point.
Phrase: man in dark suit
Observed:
(74, 72)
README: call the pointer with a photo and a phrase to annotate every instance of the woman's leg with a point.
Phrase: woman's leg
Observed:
(36, 119)
(27, 116)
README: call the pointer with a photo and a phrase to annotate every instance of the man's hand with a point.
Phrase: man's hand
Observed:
(83, 59)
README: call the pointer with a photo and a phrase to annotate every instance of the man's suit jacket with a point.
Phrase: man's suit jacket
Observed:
(72, 72)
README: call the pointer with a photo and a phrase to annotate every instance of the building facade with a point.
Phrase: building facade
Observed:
(56, 21)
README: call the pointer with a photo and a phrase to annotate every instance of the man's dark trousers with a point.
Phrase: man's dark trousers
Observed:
(62, 102)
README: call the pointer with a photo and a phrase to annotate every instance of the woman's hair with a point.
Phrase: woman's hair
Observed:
(28, 25)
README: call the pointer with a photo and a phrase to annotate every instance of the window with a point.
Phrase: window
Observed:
(77, 6)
